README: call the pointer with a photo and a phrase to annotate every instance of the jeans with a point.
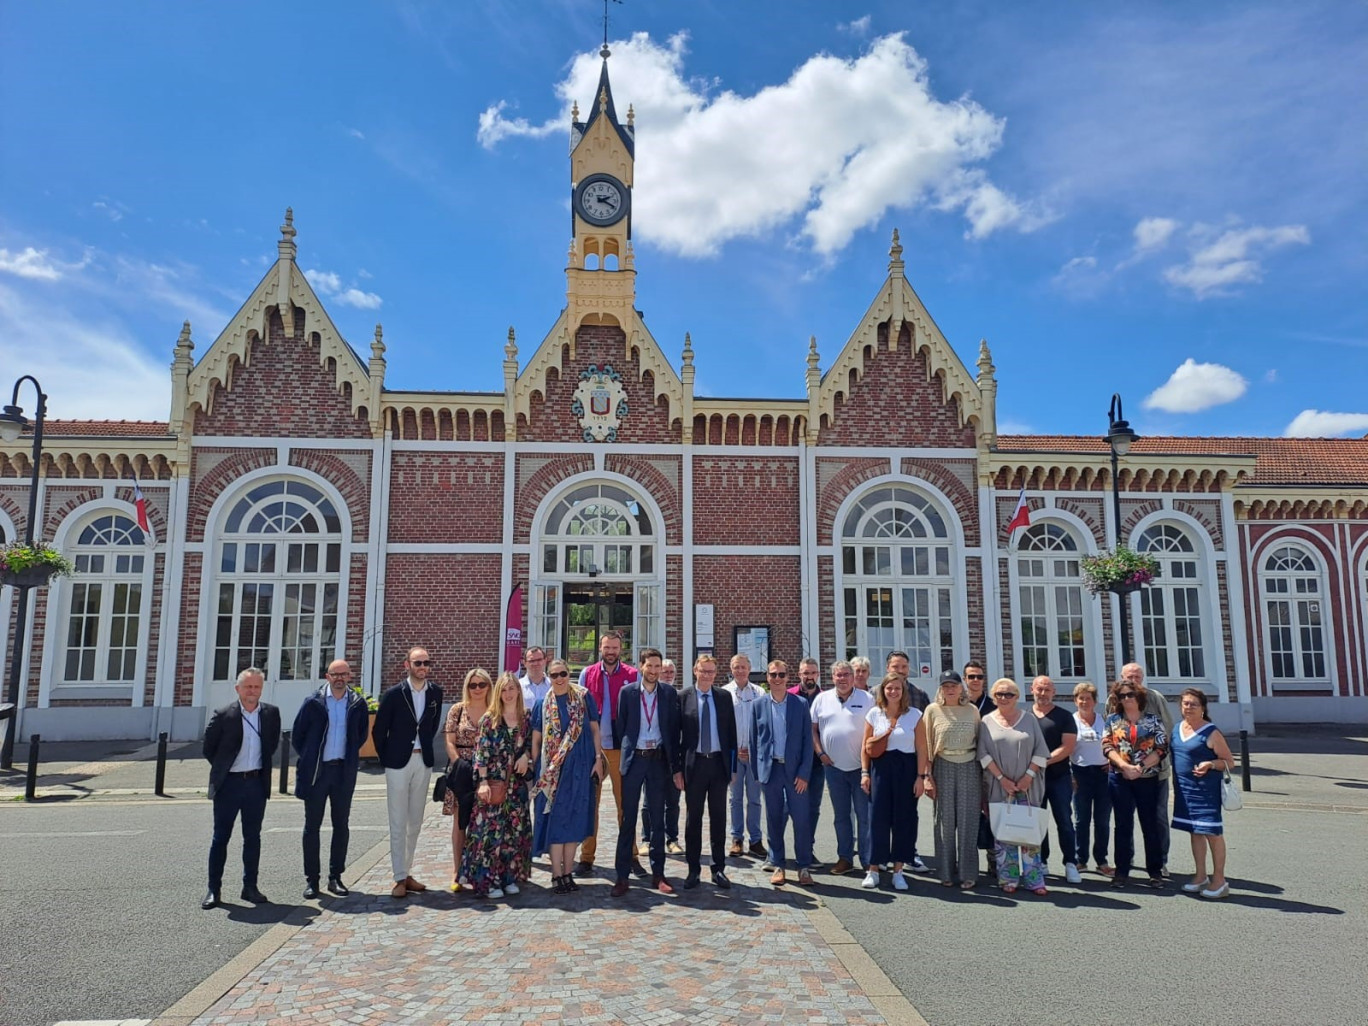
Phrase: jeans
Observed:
(1092, 811)
(238, 796)
(1131, 800)
(1059, 800)
(847, 799)
(329, 787)
(745, 800)
(816, 784)
(783, 802)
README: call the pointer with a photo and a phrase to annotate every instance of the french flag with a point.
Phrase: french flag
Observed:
(1021, 517)
(140, 504)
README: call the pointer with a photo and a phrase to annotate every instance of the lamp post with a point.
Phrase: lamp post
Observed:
(1119, 438)
(12, 424)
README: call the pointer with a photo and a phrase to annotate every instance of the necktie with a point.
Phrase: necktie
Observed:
(705, 726)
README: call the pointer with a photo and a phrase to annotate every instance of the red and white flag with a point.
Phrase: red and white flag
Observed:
(1021, 516)
(141, 504)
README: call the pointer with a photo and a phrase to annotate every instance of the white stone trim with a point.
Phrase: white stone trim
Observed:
(686, 604)
(749, 550)
(378, 569)
(1282, 534)
(173, 571)
(1239, 632)
(278, 442)
(446, 549)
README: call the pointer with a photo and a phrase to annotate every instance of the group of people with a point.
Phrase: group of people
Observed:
(527, 758)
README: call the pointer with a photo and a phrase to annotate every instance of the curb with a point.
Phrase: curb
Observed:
(882, 994)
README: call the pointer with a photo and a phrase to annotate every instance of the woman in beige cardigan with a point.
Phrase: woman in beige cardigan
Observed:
(954, 781)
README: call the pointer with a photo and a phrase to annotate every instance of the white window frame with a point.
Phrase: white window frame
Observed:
(1166, 584)
(1318, 576)
(1087, 613)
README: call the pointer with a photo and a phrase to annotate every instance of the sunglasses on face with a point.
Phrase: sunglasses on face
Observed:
(1004, 696)
(973, 676)
(558, 674)
(1125, 694)
(478, 685)
(420, 662)
(777, 673)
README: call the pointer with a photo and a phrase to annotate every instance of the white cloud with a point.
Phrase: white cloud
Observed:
(112, 209)
(1320, 424)
(324, 281)
(31, 263)
(1271, 376)
(360, 300)
(723, 166)
(1197, 386)
(98, 372)
(858, 27)
(1154, 233)
(1219, 262)
(1081, 277)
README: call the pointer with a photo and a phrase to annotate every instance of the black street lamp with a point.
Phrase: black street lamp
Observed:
(1120, 438)
(12, 424)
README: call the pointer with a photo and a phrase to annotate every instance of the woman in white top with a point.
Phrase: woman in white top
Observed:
(892, 778)
(1092, 800)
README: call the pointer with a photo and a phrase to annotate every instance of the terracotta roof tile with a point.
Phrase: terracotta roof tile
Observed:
(105, 429)
(1281, 461)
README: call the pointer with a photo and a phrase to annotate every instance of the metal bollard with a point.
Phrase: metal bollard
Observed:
(31, 778)
(161, 764)
(1244, 762)
(285, 762)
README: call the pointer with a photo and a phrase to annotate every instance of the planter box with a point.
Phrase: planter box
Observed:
(368, 749)
(33, 577)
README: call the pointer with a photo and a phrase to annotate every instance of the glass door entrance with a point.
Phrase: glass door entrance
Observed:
(590, 611)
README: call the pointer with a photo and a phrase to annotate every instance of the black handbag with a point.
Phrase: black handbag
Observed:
(439, 788)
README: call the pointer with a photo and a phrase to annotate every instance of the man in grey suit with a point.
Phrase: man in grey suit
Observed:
(238, 743)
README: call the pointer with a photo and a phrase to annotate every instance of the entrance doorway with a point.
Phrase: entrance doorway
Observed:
(590, 611)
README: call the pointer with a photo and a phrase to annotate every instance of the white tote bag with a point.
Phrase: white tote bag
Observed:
(1017, 824)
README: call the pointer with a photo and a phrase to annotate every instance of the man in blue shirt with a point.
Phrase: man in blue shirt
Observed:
(327, 736)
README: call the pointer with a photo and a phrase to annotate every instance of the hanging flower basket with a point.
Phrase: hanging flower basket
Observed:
(1120, 571)
(32, 566)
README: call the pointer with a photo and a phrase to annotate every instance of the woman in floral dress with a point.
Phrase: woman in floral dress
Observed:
(499, 841)
(1135, 744)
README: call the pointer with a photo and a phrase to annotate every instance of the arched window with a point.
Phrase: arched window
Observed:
(897, 588)
(279, 583)
(105, 612)
(1051, 595)
(1171, 607)
(599, 572)
(1294, 606)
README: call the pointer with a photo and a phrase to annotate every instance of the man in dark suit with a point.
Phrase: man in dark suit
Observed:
(328, 734)
(781, 758)
(239, 742)
(405, 725)
(707, 750)
(647, 733)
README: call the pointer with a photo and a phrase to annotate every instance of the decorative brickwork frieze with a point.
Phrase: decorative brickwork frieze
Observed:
(1208, 513)
(1087, 510)
(226, 467)
(844, 476)
(537, 477)
(955, 478)
(654, 484)
(349, 473)
(446, 497)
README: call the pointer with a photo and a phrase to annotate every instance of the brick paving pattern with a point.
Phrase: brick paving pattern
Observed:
(702, 957)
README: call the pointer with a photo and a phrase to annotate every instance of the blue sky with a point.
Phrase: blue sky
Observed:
(1167, 200)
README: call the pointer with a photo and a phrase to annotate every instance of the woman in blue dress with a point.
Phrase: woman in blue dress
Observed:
(1200, 758)
(566, 745)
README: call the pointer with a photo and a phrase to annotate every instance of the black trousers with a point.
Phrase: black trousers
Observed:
(238, 796)
(330, 787)
(671, 816)
(649, 773)
(706, 786)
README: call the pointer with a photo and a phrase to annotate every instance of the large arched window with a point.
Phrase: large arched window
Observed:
(279, 583)
(1171, 607)
(1050, 592)
(897, 585)
(1294, 607)
(102, 642)
(599, 570)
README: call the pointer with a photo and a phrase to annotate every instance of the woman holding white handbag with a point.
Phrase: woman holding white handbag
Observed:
(1013, 754)
(1201, 758)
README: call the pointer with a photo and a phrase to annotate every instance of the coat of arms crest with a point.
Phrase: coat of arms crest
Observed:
(600, 403)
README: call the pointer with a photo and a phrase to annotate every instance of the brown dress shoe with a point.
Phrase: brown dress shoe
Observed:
(414, 885)
(400, 891)
(779, 879)
(841, 868)
(662, 885)
(619, 888)
(804, 878)
(736, 849)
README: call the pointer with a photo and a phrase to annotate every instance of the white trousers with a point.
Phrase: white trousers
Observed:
(406, 795)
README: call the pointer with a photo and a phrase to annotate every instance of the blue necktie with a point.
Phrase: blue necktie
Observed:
(705, 725)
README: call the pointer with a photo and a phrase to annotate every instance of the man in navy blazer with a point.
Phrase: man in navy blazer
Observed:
(328, 733)
(781, 759)
(405, 725)
(647, 732)
(707, 748)
(239, 742)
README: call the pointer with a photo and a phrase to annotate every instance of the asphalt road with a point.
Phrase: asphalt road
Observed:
(99, 901)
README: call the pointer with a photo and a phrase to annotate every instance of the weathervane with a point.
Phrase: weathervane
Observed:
(605, 51)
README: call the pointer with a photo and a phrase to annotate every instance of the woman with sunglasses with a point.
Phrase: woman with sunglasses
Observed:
(462, 731)
(567, 747)
(1013, 754)
(954, 782)
(499, 845)
(1135, 744)
(1200, 757)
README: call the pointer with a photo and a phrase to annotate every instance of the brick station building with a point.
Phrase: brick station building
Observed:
(301, 510)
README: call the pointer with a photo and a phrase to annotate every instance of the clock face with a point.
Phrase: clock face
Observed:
(601, 200)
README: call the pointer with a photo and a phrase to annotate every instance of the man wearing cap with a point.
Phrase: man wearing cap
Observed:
(838, 719)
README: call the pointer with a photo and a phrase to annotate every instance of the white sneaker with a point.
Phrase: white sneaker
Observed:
(496, 892)
(464, 881)
(871, 880)
(899, 882)
(1071, 873)
(918, 866)
(512, 889)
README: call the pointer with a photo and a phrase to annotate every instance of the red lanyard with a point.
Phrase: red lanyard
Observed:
(649, 713)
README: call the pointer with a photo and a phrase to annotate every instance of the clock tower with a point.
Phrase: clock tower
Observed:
(600, 284)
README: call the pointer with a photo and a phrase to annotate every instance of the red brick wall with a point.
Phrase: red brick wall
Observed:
(446, 497)
(189, 626)
(895, 402)
(551, 419)
(761, 590)
(740, 500)
(282, 390)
